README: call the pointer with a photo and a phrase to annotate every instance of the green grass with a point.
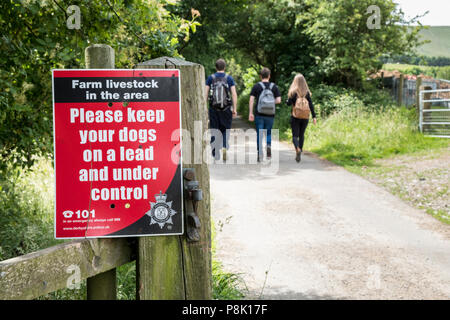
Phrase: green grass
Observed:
(226, 285)
(435, 72)
(354, 137)
(26, 210)
(441, 215)
(440, 42)
(405, 67)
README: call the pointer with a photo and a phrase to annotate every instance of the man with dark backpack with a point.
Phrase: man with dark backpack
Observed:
(267, 95)
(220, 92)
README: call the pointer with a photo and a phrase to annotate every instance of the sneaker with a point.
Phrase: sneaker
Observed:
(259, 158)
(224, 152)
(298, 156)
(269, 152)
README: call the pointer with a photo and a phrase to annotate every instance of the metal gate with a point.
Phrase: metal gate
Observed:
(434, 115)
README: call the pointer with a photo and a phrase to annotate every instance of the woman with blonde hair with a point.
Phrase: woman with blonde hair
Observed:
(299, 97)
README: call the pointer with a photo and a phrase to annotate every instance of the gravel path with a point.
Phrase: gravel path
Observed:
(315, 231)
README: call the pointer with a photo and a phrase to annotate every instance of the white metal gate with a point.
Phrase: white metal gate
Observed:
(434, 117)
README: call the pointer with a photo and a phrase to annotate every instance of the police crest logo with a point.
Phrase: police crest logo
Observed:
(161, 212)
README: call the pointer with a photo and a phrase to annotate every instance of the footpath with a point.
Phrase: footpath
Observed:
(313, 230)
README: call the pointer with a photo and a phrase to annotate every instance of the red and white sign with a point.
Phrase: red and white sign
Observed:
(117, 153)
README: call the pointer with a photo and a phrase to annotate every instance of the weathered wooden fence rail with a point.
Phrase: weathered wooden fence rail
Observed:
(167, 267)
(38, 273)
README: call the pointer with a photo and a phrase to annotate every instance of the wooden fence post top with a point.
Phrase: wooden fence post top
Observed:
(99, 56)
(167, 61)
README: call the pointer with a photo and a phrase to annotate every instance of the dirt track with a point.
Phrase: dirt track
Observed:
(315, 231)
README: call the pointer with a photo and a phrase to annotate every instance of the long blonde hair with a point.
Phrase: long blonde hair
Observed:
(299, 87)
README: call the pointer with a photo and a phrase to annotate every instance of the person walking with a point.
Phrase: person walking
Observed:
(299, 97)
(221, 95)
(267, 95)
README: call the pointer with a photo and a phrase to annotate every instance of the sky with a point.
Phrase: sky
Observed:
(439, 11)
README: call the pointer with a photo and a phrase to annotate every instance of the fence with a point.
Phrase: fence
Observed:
(405, 90)
(167, 267)
(434, 116)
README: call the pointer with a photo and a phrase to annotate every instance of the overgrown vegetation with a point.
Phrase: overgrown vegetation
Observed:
(328, 41)
(355, 136)
(356, 127)
(35, 39)
(26, 214)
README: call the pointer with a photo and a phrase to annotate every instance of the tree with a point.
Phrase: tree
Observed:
(249, 34)
(346, 45)
(267, 32)
(35, 39)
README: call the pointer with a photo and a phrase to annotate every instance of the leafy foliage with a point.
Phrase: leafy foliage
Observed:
(35, 40)
(345, 47)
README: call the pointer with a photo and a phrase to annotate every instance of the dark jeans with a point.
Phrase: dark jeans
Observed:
(263, 123)
(298, 131)
(220, 120)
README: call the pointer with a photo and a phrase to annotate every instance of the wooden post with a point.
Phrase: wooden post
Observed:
(103, 285)
(170, 267)
(400, 89)
(418, 85)
(427, 96)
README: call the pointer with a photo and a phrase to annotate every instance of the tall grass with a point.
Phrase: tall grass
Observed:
(355, 136)
(26, 210)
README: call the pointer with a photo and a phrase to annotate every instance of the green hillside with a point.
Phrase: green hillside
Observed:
(440, 42)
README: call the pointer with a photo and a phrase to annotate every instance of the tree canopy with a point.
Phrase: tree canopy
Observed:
(328, 41)
(35, 39)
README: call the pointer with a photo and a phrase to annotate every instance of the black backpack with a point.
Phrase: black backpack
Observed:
(220, 97)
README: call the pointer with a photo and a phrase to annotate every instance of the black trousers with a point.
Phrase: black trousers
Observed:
(220, 120)
(298, 131)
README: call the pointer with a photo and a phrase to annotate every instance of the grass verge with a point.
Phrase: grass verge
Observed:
(354, 138)
(370, 143)
(226, 285)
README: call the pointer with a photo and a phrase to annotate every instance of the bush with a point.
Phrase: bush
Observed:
(26, 210)
(354, 127)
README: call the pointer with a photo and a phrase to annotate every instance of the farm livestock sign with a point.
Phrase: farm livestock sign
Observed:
(117, 153)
